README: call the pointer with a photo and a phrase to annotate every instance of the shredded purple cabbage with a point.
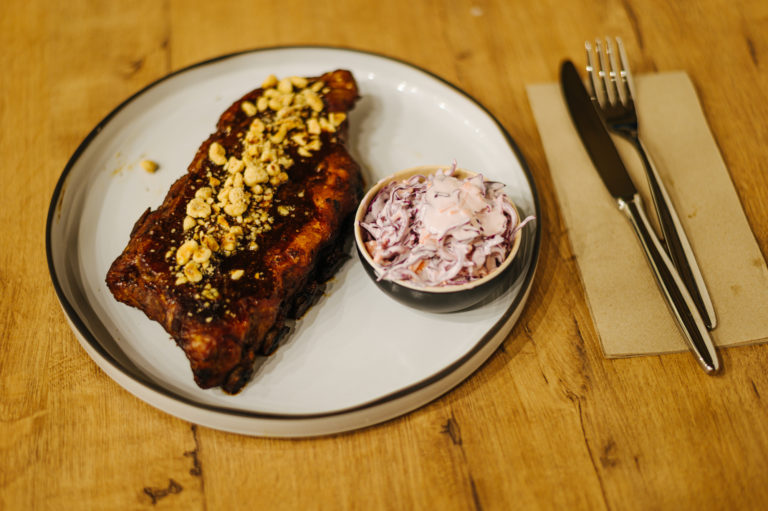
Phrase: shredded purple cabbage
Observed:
(439, 230)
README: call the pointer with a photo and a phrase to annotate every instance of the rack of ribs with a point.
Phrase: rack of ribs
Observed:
(245, 240)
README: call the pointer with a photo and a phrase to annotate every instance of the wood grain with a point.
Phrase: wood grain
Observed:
(546, 423)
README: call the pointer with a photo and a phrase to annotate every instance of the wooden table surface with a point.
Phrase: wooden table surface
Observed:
(547, 422)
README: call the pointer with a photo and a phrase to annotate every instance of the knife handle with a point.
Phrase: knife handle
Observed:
(678, 298)
(676, 241)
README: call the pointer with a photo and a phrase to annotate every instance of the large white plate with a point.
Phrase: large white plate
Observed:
(357, 357)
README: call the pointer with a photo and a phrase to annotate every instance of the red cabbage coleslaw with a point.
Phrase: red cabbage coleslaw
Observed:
(440, 230)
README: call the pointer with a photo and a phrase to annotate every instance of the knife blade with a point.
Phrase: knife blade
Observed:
(601, 150)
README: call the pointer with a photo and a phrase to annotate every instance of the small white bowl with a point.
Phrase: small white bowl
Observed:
(449, 298)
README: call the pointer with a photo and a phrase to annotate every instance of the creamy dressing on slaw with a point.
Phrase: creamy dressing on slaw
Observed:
(439, 230)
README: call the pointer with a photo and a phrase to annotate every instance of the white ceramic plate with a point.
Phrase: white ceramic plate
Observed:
(357, 357)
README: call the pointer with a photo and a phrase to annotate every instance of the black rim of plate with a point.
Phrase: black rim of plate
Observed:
(84, 331)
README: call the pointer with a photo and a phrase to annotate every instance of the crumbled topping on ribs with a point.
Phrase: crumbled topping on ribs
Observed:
(237, 242)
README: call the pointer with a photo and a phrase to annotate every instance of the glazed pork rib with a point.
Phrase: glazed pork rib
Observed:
(245, 239)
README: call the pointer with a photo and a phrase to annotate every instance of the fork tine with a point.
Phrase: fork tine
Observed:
(609, 81)
(591, 75)
(617, 76)
(626, 74)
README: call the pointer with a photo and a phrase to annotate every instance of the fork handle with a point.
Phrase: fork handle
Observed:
(676, 241)
(678, 298)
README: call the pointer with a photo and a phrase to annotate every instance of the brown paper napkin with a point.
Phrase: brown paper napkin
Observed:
(627, 306)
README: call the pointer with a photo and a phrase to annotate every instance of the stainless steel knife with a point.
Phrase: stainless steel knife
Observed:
(607, 161)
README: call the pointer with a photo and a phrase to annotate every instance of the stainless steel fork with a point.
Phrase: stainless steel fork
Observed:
(612, 91)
